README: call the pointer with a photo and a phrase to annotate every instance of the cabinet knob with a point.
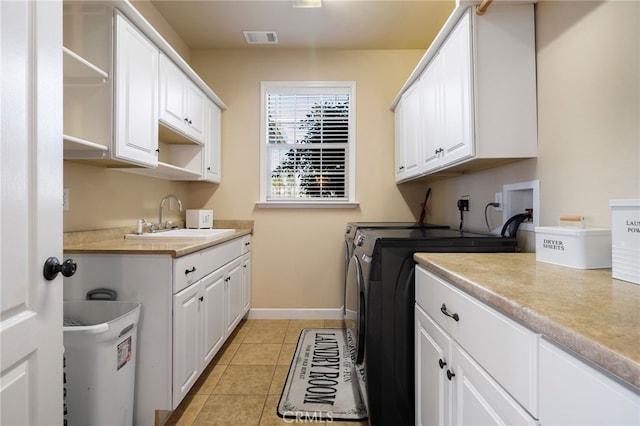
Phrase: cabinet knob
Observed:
(201, 298)
(441, 363)
(450, 375)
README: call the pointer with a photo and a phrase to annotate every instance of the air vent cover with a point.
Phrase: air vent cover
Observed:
(261, 37)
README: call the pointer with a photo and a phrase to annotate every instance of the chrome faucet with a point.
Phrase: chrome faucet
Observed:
(166, 197)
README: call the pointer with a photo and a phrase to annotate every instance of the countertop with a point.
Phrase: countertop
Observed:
(586, 311)
(112, 241)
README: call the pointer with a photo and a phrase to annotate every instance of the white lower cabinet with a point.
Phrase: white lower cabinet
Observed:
(451, 388)
(190, 306)
(476, 366)
(198, 329)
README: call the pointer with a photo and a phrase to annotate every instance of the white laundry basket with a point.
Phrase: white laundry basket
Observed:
(100, 342)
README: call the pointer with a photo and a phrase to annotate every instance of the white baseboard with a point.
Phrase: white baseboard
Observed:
(311, 313)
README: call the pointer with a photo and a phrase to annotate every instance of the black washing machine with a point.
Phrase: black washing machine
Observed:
(379, 310)
(352, 228)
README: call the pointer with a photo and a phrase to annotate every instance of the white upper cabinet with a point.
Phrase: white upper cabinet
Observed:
(136, 96)
(182, 104)
(129, 99)
(477, 85)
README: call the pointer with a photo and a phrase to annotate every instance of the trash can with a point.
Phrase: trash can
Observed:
(100, 345)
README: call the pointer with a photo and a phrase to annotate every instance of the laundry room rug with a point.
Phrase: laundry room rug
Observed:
(322, 382)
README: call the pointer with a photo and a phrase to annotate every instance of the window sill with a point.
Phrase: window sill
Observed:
(307, 205)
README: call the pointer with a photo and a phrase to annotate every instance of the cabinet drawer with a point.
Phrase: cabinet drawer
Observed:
(189, 269)
(505, 349)
(186, 271)
(246, 244)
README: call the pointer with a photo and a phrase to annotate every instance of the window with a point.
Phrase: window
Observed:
(308, 144)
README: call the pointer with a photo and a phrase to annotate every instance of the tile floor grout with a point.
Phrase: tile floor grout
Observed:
(242, 384)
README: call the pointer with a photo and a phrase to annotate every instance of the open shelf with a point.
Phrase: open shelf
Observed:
(78, 70)
(163, 171)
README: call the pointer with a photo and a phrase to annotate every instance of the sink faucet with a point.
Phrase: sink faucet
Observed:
(166, 197)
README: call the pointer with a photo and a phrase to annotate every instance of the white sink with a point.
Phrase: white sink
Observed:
(183, 234)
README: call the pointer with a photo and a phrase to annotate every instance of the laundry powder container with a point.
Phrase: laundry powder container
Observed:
(100, 344)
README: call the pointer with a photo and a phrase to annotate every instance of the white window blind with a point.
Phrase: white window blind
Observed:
(307, 142)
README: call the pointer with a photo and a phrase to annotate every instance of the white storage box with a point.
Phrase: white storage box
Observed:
(625, 239)
(574, 247)
(199, 219)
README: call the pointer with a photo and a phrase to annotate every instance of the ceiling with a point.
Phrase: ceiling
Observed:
(338, 24)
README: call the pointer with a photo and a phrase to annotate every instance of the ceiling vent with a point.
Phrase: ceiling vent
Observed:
(261, 37)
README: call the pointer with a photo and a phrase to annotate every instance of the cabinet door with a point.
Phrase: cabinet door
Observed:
(187, 361)
(246, 282)
(455, 55)
(399, 117)
(433, 392)
(196, 101)
(432, 115)
(413, 124)
(172, 94)
(136, 96)
(211, 166)
(478, 399)
(234, 293)
(574, 393)
(213, 325)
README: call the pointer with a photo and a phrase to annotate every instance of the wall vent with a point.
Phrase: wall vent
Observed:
(261, 37)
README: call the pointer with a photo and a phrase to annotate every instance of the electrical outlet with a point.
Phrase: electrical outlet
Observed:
(498, 200)
(65, 199)
(463, 203)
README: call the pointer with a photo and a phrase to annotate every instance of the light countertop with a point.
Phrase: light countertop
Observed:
(112, 241)
(585, 311)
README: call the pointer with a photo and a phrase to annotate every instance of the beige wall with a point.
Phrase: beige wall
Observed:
(589, 132)
(297, 253)
(588, 119)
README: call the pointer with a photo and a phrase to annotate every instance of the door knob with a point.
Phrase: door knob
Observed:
(52, 266)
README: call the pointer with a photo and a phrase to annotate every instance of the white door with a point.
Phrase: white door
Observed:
(30, 212)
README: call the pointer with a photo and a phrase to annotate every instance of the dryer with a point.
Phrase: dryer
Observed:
(379, 310)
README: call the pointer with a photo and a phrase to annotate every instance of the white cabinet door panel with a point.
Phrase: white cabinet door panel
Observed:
(213, 329)
(455, 75)
(136, 93)
(172, 94)
(186, 341)
(433, 393)
(480, 400)
(574, 393)
(234, 294)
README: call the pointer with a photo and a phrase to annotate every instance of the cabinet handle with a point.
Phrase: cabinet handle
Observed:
(188, 271)
(443, 309)
(158, 150)
(450, 374)
(208, 169)
(401, 168)
(201, 298)
(441, 363)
